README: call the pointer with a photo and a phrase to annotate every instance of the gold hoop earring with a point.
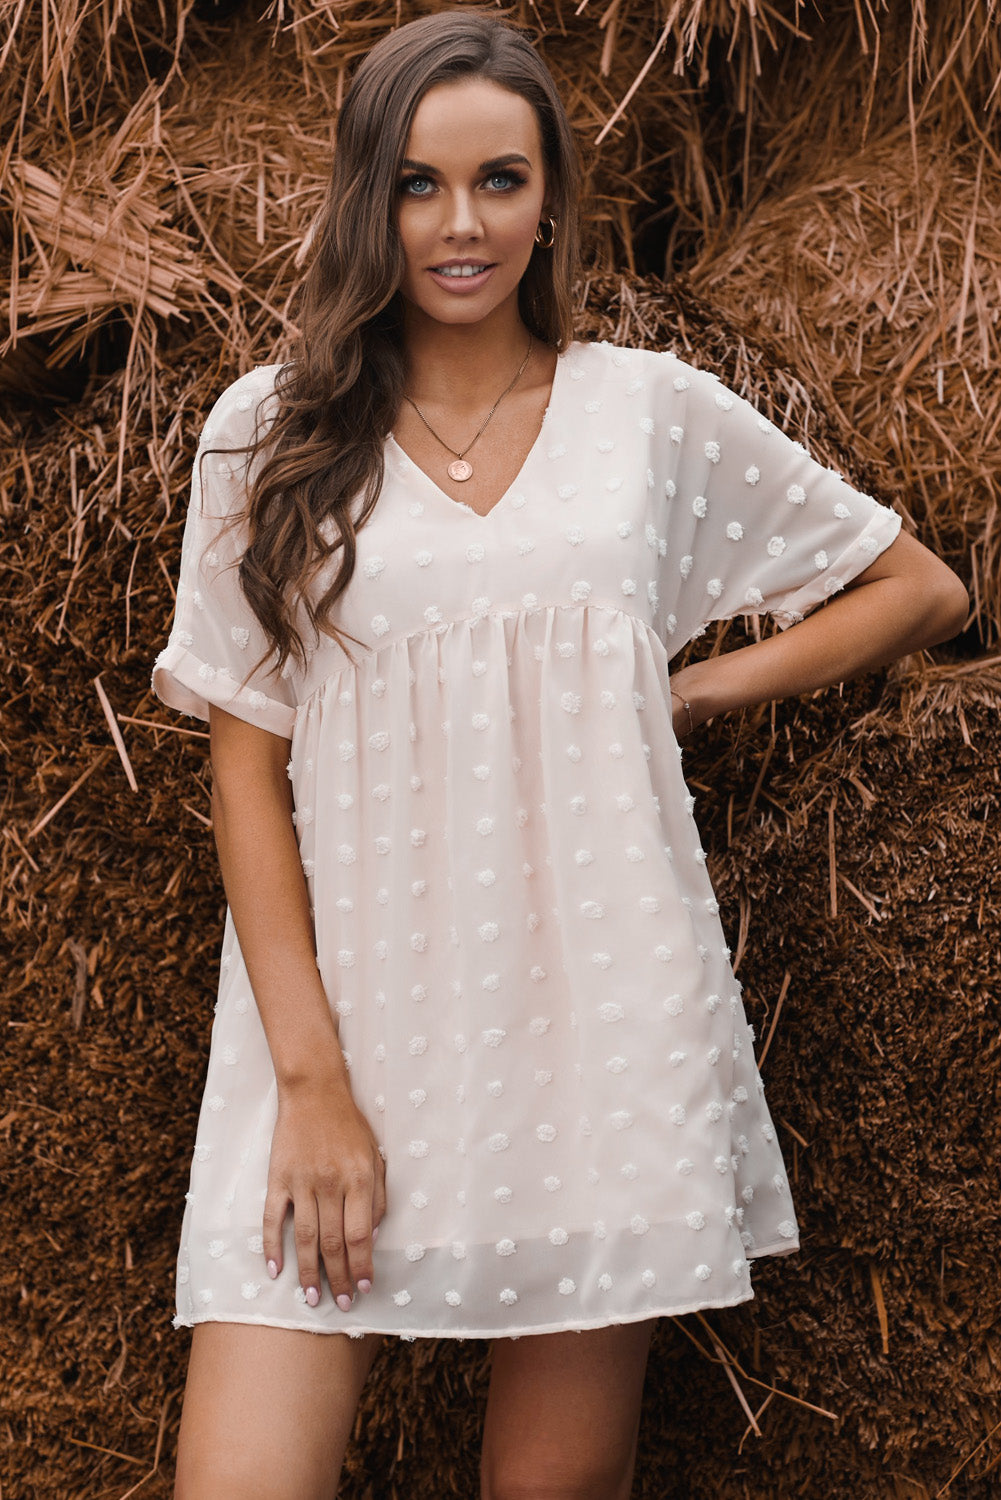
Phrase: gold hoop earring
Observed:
(540, 238)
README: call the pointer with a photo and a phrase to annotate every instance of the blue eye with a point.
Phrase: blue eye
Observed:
(417, 187)
(504, 181)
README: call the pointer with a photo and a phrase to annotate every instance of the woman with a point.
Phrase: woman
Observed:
(464, 853)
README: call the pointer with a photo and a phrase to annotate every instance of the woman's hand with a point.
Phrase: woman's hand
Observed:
(325, 1163)
(326, 1168)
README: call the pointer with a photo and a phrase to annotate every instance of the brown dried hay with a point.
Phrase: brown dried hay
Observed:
(885, 292)
(184, 210)
(81, 102)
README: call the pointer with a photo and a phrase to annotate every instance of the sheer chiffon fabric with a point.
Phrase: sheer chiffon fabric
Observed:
(514, 921)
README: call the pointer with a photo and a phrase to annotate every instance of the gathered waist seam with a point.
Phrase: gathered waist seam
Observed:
(441, 626)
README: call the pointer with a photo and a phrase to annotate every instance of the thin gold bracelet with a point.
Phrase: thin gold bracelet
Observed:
(688, 709)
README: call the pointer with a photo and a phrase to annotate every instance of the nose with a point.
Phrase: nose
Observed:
(462, 219)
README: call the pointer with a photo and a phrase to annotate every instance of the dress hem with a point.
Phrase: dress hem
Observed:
(775, 1247)
(408, 1334)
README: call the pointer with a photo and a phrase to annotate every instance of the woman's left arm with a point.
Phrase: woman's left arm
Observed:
(905, 600)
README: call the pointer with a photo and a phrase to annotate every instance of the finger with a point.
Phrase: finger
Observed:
(276, 1207)
(379, 1196)
(358, 1232)
(333, 1251)
(305, 1218)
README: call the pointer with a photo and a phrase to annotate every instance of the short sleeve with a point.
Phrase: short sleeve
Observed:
(754, 524)
(216, 638)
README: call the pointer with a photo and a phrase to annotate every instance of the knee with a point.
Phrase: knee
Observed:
(527, 1490)
(205, 1477)
(210, 1481)
(520, 1476)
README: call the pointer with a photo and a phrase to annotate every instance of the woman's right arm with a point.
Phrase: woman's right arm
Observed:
(325, 1163)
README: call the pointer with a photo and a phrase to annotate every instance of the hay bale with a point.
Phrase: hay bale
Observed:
(216, 133)
(878, 1065)
(162, 215)
(886, 300)
(213, 177)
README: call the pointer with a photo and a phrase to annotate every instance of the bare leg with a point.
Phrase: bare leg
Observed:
(563, 1414)
(268, 1412)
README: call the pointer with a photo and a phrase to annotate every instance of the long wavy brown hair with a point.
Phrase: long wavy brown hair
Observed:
(339, 394)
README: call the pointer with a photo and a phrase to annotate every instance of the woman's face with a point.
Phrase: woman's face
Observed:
(469, 200)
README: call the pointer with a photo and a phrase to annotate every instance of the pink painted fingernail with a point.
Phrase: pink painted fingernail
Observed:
(364, 1285)
(312, 1295)
(344, 1302)
(375, 1234)
(272, 1269)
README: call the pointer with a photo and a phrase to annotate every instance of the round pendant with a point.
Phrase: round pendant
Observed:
(460, 470)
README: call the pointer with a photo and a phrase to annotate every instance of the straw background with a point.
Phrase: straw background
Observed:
(805, 198)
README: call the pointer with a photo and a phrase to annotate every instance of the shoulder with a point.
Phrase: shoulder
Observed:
(599, 354)
(243, 409)
(238, 420)
(627, 370)
(660, 372)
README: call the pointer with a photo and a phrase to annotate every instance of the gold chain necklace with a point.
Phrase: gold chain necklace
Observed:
(461, 469)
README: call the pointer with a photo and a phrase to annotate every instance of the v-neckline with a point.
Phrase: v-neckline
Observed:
(460, 505)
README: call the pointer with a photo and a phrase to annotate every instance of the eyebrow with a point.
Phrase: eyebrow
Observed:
(493, 165)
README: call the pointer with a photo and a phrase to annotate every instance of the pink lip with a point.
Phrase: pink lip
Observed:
(461, 285)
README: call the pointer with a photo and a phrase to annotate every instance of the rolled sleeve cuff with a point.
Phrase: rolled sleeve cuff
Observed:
(182, 681)
(881, 529)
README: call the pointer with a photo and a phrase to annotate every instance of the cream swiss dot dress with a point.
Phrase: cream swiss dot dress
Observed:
(514, 921)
